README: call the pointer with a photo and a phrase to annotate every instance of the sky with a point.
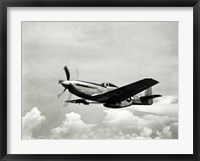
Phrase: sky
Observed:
(116, 52)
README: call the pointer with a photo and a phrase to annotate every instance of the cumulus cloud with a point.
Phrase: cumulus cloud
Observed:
(31, 121)
(166, 100)
(117, 124)
(168, 132)
(146, 132)
(165, 105)
(119, 118)
(148, 126)
(105, 133)
(123, 124)
(72, 127)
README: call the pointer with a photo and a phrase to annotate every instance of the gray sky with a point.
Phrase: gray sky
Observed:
(118, 52)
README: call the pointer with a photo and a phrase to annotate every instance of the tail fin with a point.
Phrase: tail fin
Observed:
(148, 97)
(148, 92)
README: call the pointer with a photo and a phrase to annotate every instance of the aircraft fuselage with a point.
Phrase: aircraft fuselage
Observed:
(109, 94)
(86, 90)
(91, 91)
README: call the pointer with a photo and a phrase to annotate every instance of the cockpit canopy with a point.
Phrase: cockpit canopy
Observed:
(107, 84)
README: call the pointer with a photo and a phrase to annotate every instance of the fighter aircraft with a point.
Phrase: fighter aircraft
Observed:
(108, 94)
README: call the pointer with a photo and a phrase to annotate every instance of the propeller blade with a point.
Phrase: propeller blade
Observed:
(68, 98)
(60, 94)
(67, 72)
(60, 81)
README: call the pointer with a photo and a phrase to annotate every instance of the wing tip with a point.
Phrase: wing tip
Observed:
(151, 79)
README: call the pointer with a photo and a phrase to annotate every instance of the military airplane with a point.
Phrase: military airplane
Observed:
(108, 94)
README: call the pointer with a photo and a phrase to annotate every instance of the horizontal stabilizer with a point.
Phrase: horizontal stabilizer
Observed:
(146, 98)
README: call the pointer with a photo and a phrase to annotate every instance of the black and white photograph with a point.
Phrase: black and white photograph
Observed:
(111, 80)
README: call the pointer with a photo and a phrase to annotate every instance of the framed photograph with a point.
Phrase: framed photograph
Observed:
(99, 80)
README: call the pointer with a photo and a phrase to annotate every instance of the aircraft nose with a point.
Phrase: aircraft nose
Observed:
(66, 83)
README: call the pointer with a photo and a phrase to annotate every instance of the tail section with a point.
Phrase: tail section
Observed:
(148, 97)
(148, 92)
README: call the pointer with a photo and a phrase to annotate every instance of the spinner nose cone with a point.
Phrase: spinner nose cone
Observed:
(66, 83)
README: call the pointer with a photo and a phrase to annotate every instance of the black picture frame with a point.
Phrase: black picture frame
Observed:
(98, 3)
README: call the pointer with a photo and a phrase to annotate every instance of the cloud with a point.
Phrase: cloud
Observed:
(146, 132)
(166, 100)
(72, 127)
(105, 133)
(147, 126)
(120, 117)
(168, 132)
(31, 121)
(117, 124)
(165, 105)
(123, 124)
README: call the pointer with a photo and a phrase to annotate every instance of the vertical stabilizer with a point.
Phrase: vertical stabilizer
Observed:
(148, 92)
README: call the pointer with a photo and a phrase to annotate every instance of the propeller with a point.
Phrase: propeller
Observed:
(60, 94)
(68, 98)
(67, 72)
(70, 94)
(60, 81)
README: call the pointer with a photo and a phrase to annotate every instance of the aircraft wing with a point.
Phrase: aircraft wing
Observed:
(122, 93)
